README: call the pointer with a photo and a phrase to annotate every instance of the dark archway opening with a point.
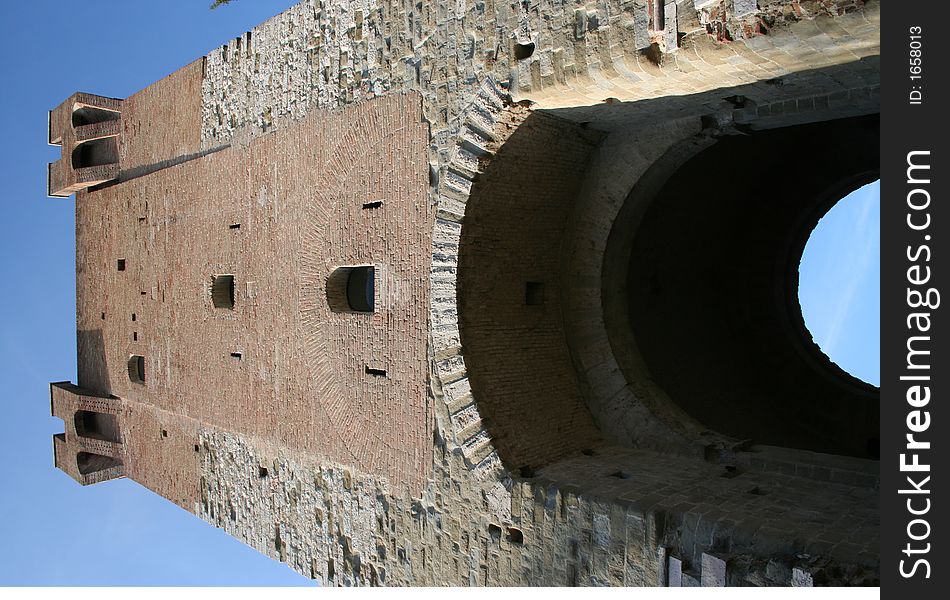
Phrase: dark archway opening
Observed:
(713, 279)
(87, 115)
(100, 426)
(92, 463)
(96, 153)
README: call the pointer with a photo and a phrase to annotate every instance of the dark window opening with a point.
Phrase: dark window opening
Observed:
(135, 336)
(352, 289)
(222, 291)
(120, 264)
(99, 426)
(262, 471)
(103, 316)
(377, 372)
(534, 293)
(374, 204)
(92, 463)
(137, 369)
(87, 115)
(96, 153)
(515, 536)
(236, 355)
(234, 226)
(524, 50)
(133, 317)
(164, 433)
(494, 531)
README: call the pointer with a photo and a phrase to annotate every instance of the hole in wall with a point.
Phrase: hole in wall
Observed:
(120, 264)
(136, 368)
(89, 462)
(371, 205)
(523, 50)
(352, 289)
(375, 371)
(839, 283)
(534, 293)
(87, 115)
(222, 291)
(494, 531)
(96, 153)
(96, 425)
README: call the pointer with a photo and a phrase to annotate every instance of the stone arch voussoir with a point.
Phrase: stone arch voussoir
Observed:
(489, 120)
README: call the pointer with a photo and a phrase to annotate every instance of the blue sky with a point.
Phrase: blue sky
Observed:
(52, 531)
(840, 283)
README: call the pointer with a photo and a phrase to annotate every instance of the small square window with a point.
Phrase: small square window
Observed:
(534, 293)
(222, 291)
(120, 264)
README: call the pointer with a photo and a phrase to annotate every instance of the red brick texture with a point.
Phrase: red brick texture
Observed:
(279, 365)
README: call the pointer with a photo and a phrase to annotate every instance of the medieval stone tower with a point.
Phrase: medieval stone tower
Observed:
(482, 292)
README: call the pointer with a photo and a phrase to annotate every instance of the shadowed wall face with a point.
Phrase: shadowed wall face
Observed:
(509, 304)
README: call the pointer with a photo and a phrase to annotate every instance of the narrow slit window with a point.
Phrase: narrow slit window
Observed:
(375, 371)
(222, 291)
(236, 355)
(234, 226)
(373, 204)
